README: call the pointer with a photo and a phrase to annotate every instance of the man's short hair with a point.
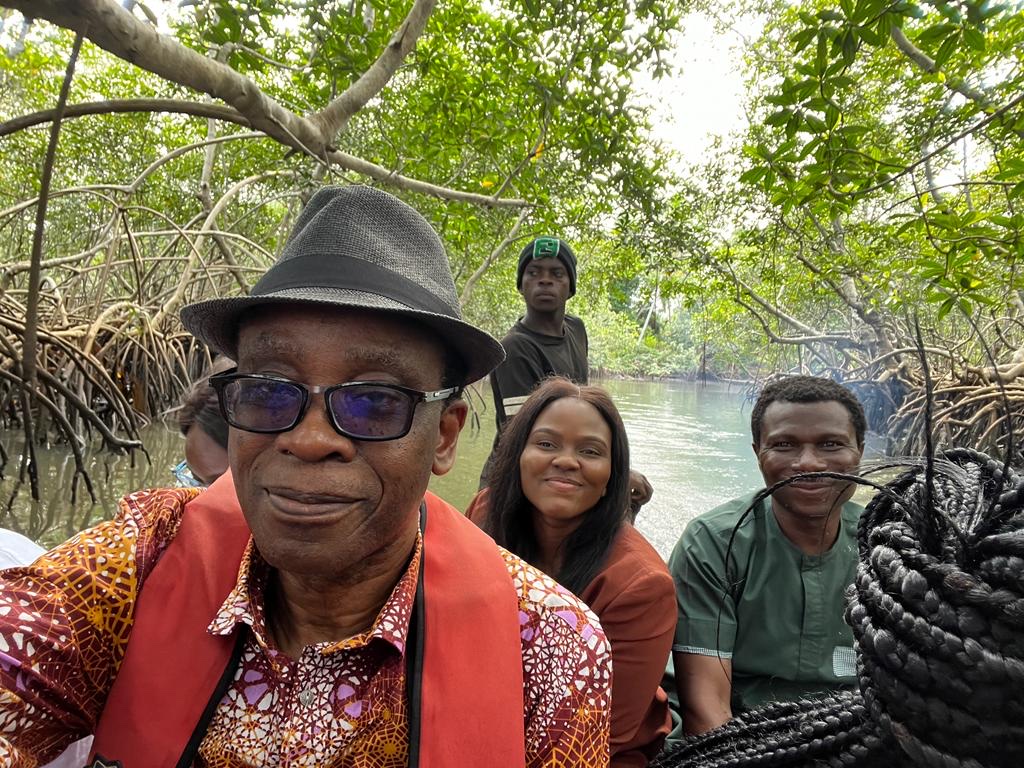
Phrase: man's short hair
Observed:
(807, 389)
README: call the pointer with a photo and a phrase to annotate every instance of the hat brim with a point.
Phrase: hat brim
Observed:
(215, 323)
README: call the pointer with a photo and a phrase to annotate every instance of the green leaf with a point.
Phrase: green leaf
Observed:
(935, 33)
(792, 126)
(805, 88)
(946, 50)
(753, 176)
(802, 39)
(885, 25)
(815, 123)
(831, 116)
(849, 46)
(945, 307)
(871, 36)
(974, 38)
(821, 58)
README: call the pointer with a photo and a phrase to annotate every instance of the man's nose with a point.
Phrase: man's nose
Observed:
(314, 438)
(809, 460)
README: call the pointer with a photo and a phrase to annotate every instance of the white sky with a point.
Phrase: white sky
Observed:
(704, 96)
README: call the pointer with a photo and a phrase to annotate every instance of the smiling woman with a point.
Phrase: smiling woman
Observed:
(559, 500)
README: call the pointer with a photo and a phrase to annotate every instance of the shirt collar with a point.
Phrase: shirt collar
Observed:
(245, 604)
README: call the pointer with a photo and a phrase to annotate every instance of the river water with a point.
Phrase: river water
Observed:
(691, 441)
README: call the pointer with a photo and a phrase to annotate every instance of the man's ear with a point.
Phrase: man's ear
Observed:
(452, 420)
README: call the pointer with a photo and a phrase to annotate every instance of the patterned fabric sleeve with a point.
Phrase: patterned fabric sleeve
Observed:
(64, 625)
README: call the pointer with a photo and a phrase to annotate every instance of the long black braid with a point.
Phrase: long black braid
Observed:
(937, 612)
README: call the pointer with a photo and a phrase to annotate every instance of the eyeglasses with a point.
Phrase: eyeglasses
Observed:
(183, 474)
(362, 410)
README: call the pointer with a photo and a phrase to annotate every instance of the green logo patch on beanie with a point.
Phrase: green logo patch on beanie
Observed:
(545, 248)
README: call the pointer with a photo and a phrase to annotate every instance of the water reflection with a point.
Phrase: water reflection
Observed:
(56, 517)
(692, 442)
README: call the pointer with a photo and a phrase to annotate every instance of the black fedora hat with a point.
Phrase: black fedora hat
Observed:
(362, 248)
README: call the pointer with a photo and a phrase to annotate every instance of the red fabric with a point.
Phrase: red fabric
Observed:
(472, 702)
(634, 597)
(172, 664)
(472, 695)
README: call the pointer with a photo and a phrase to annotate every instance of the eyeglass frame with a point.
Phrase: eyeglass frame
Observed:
(221, 380)
(185, 476)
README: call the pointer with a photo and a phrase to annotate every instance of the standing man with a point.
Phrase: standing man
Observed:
(545, 341)
(761, 591)
(314, 606)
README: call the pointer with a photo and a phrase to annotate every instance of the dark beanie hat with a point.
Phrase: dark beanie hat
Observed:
(547, 248)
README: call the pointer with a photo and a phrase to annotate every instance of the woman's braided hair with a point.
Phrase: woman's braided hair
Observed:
(937, 611)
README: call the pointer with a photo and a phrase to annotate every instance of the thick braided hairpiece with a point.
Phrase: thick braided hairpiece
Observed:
(937, 611)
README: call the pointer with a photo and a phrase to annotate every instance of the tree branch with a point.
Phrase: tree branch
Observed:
(925, 62)
(990, 116)
(30, 341)
(826, 338)
(382, 174)
(119, 106)
(198, 109)
(172, 303)
(766, 305)
(467, 289)
(116, 30)
(112, 28)
(334, 117)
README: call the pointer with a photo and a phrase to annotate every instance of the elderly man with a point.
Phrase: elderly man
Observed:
(316, 606)
(760, 586)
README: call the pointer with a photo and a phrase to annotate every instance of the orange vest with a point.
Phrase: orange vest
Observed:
(471, 679)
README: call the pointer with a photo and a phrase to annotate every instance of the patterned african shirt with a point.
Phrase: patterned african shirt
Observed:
(65, 622)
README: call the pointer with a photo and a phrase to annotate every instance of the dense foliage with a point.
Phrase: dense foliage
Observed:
(869, 208)
(877, 208)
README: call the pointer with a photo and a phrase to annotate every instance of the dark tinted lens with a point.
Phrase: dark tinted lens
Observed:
(371, 410)
(262, 405)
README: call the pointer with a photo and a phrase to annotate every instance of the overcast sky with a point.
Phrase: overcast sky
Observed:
(704, 98)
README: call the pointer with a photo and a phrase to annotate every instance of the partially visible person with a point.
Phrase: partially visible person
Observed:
(761, 595)
(546, 341)
(315, 605)
(205, 430)
(558, 499)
